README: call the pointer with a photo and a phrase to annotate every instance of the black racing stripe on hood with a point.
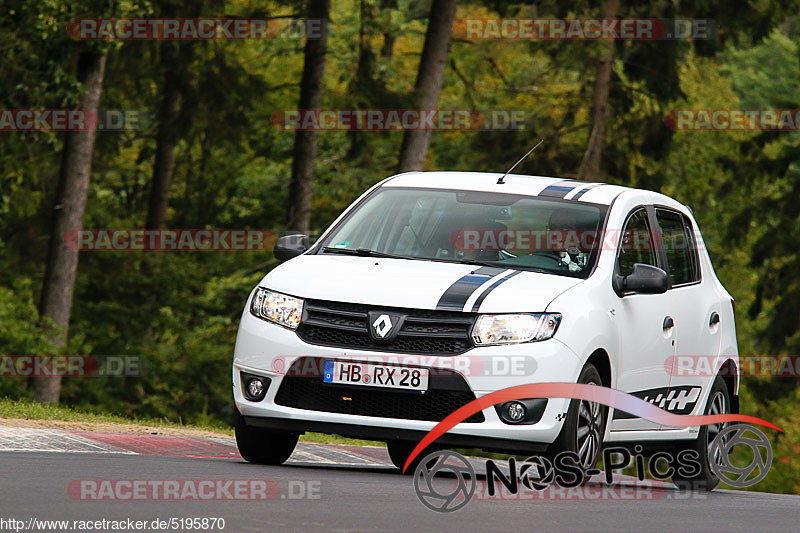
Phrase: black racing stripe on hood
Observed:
(456, 296)
(490, 288)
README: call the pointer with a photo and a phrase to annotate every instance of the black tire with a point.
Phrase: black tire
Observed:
(706, 479)
(587, 445)
(399, 450)
(262, 446)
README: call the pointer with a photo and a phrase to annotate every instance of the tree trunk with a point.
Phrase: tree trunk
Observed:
(166, 139)
(429, 81)
(388, 45)
(70, 204)
(362, 81)
(387, 50)
(589, 168)
(305, 142)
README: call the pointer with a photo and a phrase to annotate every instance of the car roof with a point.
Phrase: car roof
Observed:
(545, 187)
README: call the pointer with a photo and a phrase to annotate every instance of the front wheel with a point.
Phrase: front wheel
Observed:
(263, 446)
(718, 404)
(399, 450)
(584, 426)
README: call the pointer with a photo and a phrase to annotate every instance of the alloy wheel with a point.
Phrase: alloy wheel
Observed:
(718, 406)
(590, 424)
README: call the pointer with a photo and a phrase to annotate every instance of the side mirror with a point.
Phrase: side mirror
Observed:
(290, 246)
(645, 279)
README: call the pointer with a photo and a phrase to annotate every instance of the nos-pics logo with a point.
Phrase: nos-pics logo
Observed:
(721, 451)
(454, 493)
(436, 498)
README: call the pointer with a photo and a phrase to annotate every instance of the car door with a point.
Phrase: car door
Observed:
(696, 311)
(646, 338)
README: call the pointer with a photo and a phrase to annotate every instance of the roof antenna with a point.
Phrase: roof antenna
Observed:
(500, 181)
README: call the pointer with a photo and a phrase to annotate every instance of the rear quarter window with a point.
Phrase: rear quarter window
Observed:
(680, 247)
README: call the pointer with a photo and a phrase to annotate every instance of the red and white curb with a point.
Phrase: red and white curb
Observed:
(13, 439)
(17, 439)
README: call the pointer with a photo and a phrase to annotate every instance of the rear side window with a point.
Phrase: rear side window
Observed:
(636, 245)
(679, 247)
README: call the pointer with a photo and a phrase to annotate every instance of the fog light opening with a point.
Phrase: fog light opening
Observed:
(255, 390)
(514, 411)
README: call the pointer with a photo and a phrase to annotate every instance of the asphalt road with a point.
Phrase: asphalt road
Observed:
(348, 498)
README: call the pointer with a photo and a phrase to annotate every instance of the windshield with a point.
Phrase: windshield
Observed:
(511, 231)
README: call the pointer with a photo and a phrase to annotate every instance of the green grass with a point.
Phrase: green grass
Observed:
(36, 411)
(336, 439)
(783, 479)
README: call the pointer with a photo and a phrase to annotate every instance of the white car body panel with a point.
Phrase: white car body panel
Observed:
(407, 283)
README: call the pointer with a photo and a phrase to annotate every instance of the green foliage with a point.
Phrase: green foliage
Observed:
(21, 332)
(21, 409)
(784, 476)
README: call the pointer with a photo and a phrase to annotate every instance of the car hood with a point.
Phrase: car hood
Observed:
(416, 284)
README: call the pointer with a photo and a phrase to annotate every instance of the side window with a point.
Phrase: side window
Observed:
(679, 245)
(636, 245)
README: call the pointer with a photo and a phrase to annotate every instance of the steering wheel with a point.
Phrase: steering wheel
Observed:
(551, 256)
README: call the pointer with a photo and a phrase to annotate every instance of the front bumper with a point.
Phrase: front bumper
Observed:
(268, 350)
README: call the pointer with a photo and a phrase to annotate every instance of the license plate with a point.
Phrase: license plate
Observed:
(376, 375)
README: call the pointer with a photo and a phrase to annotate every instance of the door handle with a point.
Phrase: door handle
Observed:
(668, 322)
(714, 319)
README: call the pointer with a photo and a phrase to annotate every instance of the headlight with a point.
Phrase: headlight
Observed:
(276, 307)
(510, 329)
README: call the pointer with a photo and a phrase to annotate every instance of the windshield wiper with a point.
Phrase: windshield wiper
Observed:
(363, 252)
(481, 263)
(510, 266)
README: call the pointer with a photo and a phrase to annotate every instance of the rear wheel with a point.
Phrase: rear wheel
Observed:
(584, 426)
(263, 446)
(719, 403)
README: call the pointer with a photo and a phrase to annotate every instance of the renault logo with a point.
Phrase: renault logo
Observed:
(382, 325)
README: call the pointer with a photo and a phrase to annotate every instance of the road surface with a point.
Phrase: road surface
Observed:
(59, 475)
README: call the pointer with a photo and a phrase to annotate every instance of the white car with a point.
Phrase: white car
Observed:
(434, 288)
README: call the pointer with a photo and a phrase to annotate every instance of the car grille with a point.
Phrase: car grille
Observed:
(447, 391)
(345, 325)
